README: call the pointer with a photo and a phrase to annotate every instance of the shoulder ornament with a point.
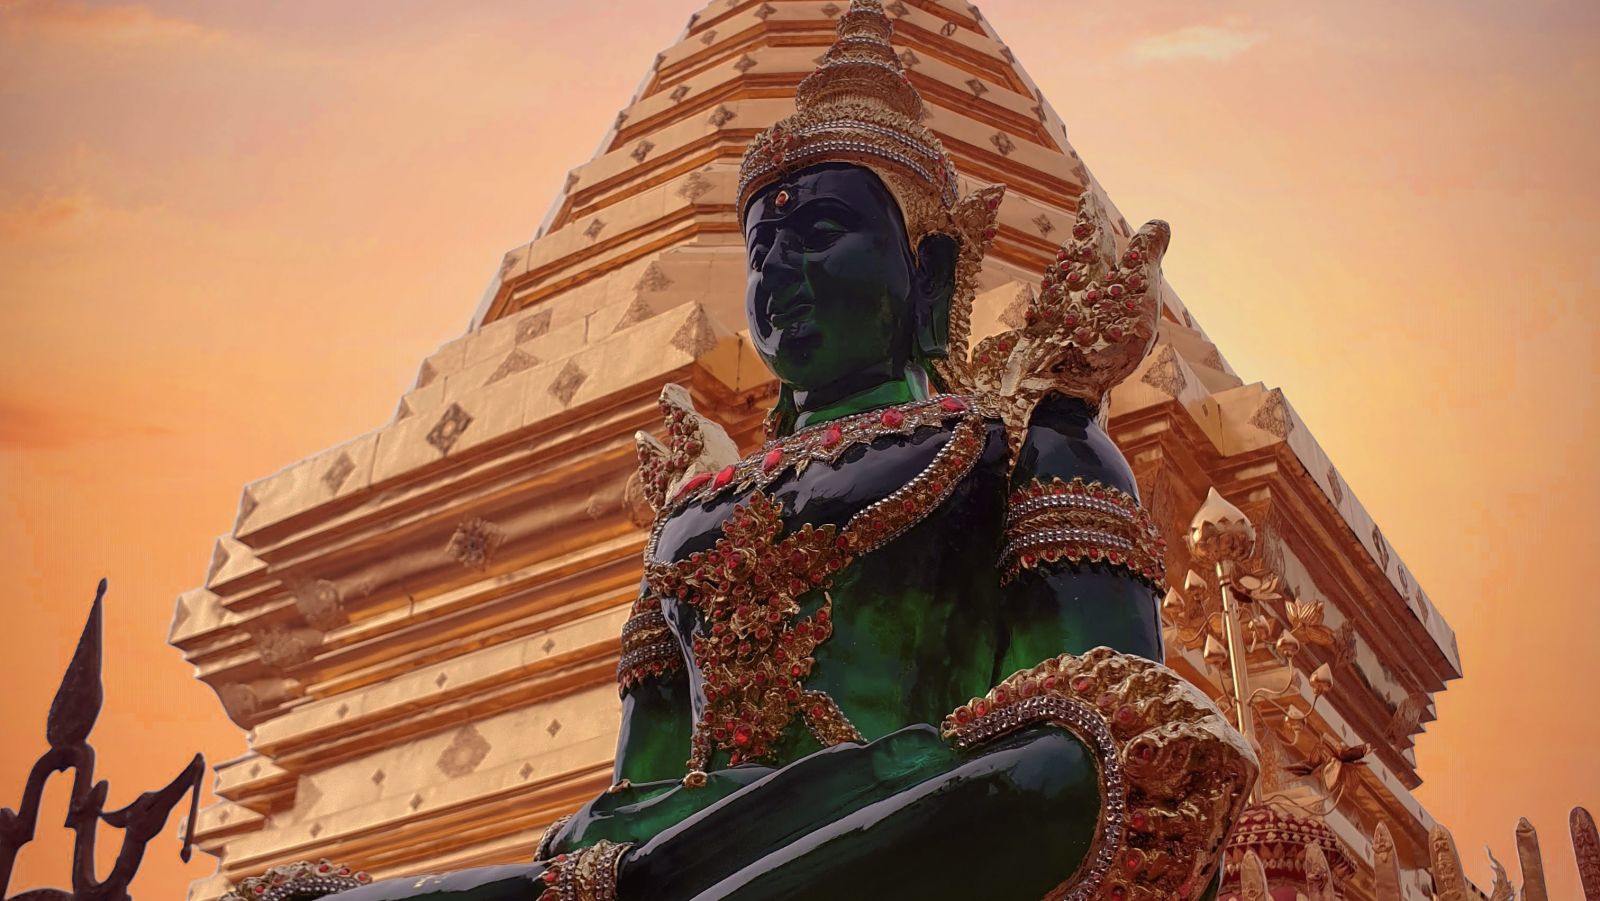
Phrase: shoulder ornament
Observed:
(1091, 323)
(695, 446)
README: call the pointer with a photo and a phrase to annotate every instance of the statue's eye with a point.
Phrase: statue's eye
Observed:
(824, 232)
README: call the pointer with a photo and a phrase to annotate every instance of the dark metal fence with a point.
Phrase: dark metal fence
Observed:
(72, 718)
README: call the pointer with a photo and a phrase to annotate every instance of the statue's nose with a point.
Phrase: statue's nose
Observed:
(780, 272)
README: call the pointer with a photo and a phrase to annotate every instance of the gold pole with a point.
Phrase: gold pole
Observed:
(1233, 631)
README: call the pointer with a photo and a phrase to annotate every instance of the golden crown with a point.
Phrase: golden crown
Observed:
(858, 107)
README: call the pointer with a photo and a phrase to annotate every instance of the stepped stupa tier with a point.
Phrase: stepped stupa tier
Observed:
(418, 628)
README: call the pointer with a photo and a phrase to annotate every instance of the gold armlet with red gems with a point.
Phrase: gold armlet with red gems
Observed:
(649, 649)
(589, 874)
(298, 882)
(1077, 521)
(1173, 773)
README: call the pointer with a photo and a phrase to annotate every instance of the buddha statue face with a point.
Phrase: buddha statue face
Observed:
(837, 303)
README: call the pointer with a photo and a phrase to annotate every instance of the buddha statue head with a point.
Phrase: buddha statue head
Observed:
(861, 258)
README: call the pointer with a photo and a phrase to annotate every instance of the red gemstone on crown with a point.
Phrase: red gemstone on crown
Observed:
(893, 419)
(771, 460)
(724, 477)
(953, 405)
(832, 436)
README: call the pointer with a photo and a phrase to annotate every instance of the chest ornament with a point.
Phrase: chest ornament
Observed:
(825, 443)
(755, 651)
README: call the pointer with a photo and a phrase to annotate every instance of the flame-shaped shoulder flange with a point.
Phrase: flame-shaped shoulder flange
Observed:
(1092, 322)
(695, 445)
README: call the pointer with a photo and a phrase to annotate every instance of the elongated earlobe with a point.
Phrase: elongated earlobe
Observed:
(934, 283)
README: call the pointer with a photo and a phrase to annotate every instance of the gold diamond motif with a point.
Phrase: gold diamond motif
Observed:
(515, 362)
(338, 472)
(534, 326)
(567, 383)
(448, 430)
(695, 186)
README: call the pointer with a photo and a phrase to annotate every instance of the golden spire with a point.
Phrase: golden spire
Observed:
(1385, 865)
(1449, 883)
(1586, 845)
(1533, 888)
(858, 107)
(1253, 879)
(1319, 876)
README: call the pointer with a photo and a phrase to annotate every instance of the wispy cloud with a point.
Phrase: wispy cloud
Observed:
(25, 425)
(1214, 43)
(42, 213)
(132, 22)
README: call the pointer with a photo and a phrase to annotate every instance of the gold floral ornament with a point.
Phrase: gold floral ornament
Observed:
(858, 107)
(755, 653)
(1091, 323)
(1173, 773)
(298, 882)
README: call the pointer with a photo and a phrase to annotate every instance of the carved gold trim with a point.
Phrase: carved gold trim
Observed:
(1173, 774)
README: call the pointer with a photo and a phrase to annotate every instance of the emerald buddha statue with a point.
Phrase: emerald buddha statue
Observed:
(910, 647)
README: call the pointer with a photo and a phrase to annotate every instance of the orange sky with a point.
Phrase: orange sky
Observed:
(230, 231)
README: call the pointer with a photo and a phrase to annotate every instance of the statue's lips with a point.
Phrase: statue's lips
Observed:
(791, 316)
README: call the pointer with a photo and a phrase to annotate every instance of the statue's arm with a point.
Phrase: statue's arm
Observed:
(1082, 561)
(654, 739)
(1081, 558)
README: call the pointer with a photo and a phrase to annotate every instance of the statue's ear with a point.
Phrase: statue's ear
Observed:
(934, 281)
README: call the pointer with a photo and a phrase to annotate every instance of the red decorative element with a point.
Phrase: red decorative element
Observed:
(1281, 840)
(833, 436)
(893, 418)
(772, 460)
(724, 477)
(953, 405)
(694, 483)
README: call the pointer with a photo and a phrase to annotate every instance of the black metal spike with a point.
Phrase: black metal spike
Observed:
(77, 702)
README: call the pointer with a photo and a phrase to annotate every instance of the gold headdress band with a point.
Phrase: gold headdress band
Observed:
(858, 107)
